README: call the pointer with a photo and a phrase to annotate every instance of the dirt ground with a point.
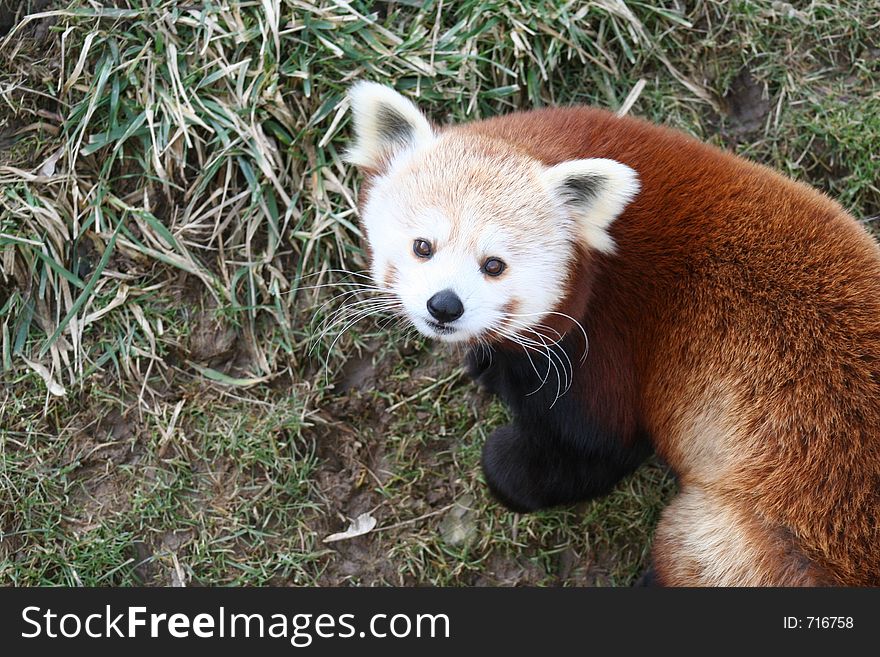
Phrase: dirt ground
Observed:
(353, 454)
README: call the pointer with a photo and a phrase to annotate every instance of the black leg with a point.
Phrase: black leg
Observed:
(477, 361)
(478, 366)
(526, 472)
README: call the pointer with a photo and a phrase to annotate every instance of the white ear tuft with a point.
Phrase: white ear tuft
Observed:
(384, 123)
(595, 192)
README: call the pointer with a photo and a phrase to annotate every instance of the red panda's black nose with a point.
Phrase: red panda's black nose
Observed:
(445, 306)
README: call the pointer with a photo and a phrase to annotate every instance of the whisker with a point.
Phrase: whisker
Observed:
(348, 309)
(576, 322)
(357, 284)
(360, 316)
(353, 308)
(346, 294)
(516, 340)
(360, 310)
(550, 363)
(362, 273)
(552, 349)
(549, 352)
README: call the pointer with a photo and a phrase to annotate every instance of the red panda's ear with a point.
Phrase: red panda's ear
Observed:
(384, 124)
(594, 192)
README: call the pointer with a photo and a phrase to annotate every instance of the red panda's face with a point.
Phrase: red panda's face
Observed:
(476, 240)
(466, 237)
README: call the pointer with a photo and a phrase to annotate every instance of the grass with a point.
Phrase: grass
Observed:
(173, 216)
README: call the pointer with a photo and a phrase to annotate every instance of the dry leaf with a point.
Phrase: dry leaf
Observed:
(48, 167)
(361, 525)
(54, 387)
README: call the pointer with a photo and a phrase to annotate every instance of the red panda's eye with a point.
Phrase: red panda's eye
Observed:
(422, 248)
(493, 266)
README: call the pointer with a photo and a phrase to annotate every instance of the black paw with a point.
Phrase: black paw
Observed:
(509, 472)
(477, 362)
(480, 365)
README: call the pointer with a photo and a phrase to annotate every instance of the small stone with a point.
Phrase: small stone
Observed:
(458, 526)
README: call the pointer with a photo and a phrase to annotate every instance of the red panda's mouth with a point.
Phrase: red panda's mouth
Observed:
(440, 328)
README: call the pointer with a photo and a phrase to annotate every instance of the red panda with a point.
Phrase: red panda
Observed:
(627, 289)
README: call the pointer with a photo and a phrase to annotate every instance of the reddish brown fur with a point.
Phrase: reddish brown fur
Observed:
(740, 323)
